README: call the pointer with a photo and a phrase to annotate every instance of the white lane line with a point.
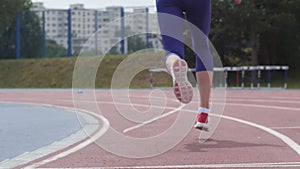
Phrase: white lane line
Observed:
(143, 105)
(80, 135)
(291, 143)
(284, 138)
(264, 106)
(261, 100)
(240, 165)
(247, 105)
(273, 97)
(102, 131)
(238, 104)
(154, 119)
(292, 127)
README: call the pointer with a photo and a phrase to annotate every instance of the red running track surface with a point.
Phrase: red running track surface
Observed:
(242, 139)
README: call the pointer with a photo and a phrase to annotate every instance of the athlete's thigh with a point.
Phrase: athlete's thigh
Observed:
(171, 22)
(198, 12)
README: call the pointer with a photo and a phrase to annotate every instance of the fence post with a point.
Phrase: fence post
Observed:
(70, 32)
(147, 28)
(226, 70)
(151, 79)
(258, 78)
(18, 37)
(285, 68)
(221, 79)
(43, 35)
(269, 78)
(122, 32)
(252, 79)
(96, 32)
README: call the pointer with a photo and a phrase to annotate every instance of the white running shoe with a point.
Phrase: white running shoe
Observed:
(183, 89)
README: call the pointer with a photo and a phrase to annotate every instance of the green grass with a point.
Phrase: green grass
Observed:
(58, 73)
(36, 73)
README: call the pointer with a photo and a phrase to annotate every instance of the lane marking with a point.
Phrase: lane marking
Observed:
(282, 137)
(102, 131)
(260, 100)
(255, 125)
(143, 105)
(291, 143)
(273, 97)
(264, 106)
(292, 127)
(240, 165)
(74, 138)
(154, 119)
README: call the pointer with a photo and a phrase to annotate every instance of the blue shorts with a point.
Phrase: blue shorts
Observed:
(198, 15)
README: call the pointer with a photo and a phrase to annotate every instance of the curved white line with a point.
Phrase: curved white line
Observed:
(102, 131)
(291, 143)
(284, 138)
(104, 128)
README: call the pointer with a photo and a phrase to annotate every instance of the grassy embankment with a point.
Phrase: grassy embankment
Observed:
(58, 73)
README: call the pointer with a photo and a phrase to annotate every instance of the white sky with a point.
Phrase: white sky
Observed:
(64, 4)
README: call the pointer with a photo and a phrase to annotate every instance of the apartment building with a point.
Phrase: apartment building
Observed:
(106, 23)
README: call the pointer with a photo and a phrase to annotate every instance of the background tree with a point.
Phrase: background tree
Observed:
(31, 35)
(257, 32)
(135, 43)
(55, 50)
(8, 10)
